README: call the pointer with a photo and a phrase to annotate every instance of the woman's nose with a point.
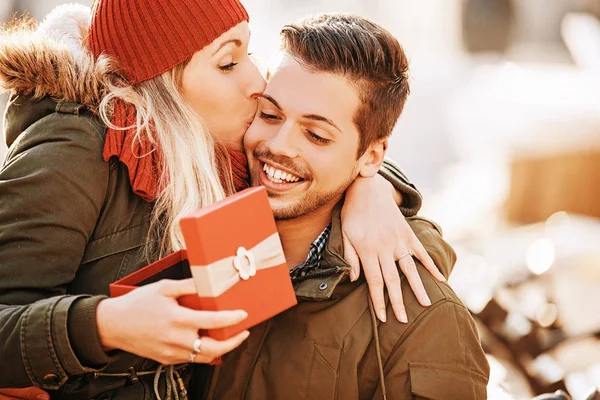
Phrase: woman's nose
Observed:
(256, 84)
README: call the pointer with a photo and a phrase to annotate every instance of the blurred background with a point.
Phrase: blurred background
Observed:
(501, 133)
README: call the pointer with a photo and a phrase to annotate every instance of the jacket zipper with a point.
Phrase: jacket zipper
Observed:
(316, 275)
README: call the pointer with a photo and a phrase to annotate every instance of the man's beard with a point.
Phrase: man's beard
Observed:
(305, 202)
(308, 203)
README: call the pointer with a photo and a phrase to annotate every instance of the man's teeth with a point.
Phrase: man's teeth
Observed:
(279, 176)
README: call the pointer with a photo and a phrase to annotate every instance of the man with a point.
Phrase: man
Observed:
(323, 120)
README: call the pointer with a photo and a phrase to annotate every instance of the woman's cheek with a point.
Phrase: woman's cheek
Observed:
(251, 134)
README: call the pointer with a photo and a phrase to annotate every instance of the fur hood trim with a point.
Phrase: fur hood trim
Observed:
(51, 59)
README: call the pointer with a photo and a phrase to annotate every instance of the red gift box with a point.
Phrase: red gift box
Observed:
(235, 257)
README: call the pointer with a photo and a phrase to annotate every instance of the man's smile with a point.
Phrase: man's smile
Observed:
(277, 179)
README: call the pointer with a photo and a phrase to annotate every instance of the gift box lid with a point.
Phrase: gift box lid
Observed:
(217, 231)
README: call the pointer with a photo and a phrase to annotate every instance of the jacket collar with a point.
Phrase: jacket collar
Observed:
(334, 268)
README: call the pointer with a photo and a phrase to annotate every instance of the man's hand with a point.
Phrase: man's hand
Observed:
(377, 235)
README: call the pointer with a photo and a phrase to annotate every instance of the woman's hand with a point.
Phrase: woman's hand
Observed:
(375, 231)
(30, 393)
(150, 323)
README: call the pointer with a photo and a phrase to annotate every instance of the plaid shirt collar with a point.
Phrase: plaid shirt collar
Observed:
(313, 260)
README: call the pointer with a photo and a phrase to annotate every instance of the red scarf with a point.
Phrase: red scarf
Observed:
(239, 169)
(144, 163)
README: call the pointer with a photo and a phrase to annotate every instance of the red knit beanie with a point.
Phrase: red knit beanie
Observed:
(149, 37)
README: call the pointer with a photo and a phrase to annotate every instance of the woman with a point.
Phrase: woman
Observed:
(117, 128)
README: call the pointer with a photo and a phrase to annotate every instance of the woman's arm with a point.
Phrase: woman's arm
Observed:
(375, 230)
(53, 188)
(407, 196)
(53, 184)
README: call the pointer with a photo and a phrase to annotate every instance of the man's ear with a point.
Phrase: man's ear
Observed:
(373, 158)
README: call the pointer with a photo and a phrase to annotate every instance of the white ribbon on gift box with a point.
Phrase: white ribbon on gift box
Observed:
(216, 278)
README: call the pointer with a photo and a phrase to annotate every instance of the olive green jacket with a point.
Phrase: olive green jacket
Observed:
(69, 223)
(332, 346)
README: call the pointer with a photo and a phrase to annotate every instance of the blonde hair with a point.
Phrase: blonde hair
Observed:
(191, 160)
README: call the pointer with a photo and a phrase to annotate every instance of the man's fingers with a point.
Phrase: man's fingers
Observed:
(407, 264)
(376, 283)
(427, 262)
(351, 257)
(391, 275)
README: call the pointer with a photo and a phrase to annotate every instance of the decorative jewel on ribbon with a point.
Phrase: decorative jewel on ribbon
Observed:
(214, 279)
(245, 263)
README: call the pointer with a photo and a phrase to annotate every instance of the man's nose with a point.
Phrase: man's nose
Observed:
(282, 142)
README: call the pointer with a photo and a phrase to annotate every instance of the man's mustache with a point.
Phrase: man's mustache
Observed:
(294, 167)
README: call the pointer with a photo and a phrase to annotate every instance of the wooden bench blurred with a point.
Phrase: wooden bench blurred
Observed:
(542, 185)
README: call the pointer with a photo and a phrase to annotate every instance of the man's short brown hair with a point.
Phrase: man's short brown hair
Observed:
(363, 52)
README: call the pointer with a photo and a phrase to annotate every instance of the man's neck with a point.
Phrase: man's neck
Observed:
(298, 234)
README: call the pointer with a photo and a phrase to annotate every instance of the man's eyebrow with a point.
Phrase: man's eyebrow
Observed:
(237, 42)
(272, 100)
(320, 118)
(314, 117)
